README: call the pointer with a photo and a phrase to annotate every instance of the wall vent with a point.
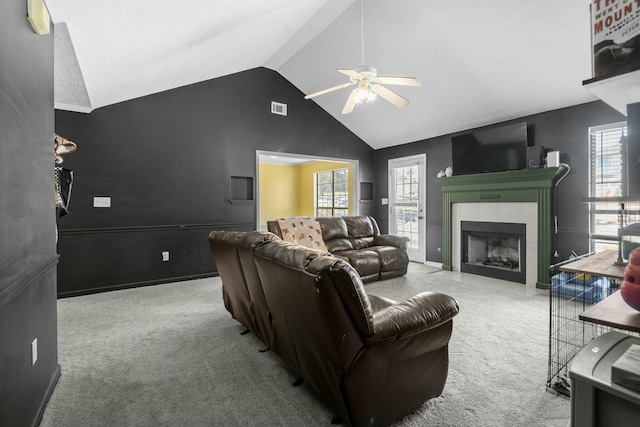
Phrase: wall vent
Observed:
(278, 108)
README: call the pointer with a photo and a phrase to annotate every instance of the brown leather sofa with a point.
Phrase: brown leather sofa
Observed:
(242, 292)
(357, 240)
(373, 359)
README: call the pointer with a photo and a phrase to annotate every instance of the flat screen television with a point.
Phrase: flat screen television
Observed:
(497, 149)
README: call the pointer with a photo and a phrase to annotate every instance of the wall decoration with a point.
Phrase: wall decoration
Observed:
(63, 177)
(62, 146)
(615, 36)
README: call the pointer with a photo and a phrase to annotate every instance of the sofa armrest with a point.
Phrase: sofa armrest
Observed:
(391, 240)
(274, 227)
(412, 316)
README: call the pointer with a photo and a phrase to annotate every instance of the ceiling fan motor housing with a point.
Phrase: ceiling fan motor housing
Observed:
(366, 71)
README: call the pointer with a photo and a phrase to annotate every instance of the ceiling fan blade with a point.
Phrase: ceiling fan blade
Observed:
(351, 73)
(331, 89)
(402, 81)
(351, 102)
(389, 95)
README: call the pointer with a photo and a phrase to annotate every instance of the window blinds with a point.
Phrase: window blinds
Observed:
(607, 177)
(607, 157)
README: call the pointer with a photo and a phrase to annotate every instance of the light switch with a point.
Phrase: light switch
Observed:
(385, 201)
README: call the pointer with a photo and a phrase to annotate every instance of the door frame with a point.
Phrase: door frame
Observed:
(262, 155)
(422, 197)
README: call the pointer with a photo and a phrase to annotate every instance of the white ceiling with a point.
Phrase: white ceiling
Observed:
(480, 62)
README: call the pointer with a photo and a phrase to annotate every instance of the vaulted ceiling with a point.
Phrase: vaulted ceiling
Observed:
(480, 62)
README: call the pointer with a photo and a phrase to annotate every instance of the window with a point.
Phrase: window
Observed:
(607, 179)
(406, 199)
(332, 193)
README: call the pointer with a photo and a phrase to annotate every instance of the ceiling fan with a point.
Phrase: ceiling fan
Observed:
(369, 84)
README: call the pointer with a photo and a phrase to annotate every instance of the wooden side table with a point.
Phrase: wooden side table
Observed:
(598, 264)
(613, 311)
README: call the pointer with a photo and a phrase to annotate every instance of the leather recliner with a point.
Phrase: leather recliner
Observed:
(373, 359)
(235, 295)
(357, 240)
(242, 292)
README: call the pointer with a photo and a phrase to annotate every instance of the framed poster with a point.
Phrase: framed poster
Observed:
(615, 36)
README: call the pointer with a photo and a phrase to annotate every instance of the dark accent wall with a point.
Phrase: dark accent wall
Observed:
(27, 222)
(565, 130)
(633, 164)
(166, 160)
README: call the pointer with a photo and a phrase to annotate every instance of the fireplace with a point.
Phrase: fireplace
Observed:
(494, 249)
(524, 196)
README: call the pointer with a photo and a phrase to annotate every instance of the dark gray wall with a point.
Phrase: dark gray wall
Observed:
(166, 160)
(27, 225)
(565, 130)
(633, 123)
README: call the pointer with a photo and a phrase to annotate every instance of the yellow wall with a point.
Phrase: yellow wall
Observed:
(306, 195)
(287, 191)
(278, 192)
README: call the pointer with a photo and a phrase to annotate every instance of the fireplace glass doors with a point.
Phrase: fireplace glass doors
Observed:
(494, 249)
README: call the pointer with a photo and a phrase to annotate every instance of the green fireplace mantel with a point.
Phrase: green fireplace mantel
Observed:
(530, 185)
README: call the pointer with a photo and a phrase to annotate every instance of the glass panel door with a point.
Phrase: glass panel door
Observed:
(406, 203)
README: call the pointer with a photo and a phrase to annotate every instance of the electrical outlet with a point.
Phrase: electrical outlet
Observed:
(34, 351)
(165, 256)
(102, 202)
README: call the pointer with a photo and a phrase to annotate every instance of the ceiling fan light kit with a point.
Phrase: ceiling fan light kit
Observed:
(365, 94)
(370, 85)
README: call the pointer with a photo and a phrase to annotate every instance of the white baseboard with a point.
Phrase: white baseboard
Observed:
(433, 264)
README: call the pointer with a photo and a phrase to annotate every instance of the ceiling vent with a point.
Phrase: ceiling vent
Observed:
(278, 108)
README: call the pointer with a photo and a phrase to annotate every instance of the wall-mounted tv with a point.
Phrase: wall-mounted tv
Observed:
(497, 149)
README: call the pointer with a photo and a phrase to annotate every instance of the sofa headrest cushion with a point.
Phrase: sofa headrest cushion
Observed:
(359, 226)
(289, 254)
(253, 239)
(225, 237)
(333, 228)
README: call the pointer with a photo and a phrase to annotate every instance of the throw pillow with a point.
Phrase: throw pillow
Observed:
(302, 230)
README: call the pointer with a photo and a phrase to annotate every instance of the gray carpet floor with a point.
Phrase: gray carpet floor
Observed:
(171, 355)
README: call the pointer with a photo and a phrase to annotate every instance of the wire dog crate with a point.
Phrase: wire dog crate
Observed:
(569, 295)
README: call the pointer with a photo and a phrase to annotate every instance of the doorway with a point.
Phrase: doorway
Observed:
(286, 185)
(407, 194)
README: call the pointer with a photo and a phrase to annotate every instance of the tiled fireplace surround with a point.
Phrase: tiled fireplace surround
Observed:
(516, 197)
